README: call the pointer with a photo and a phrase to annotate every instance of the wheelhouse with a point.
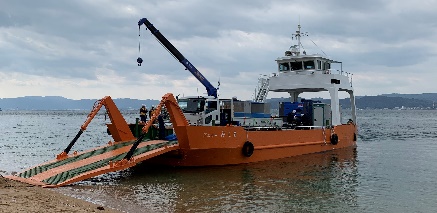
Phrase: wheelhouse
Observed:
(290, 63)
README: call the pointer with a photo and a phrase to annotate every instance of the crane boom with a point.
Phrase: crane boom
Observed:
(211, 90)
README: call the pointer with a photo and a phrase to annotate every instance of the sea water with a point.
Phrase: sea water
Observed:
(393, 169)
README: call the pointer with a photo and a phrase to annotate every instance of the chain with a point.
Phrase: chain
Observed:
(324, 135)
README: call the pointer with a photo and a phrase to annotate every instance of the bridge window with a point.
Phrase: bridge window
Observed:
(319, 64)
(326, 66)
(183, 104)
(296, 65)
(284, 67)
(309, 65)
(191, 105)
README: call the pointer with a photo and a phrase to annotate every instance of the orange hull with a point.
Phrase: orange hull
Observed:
(196, 146)
(205, 146)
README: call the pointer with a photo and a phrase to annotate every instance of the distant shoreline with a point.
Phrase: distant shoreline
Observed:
(387, 101)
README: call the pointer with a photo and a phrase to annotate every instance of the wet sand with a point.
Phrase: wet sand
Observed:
(21, 197)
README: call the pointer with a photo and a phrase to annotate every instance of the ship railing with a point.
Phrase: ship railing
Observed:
(309, 127)
(305, 127)
(340, 72)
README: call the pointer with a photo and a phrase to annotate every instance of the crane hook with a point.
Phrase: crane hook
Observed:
(139, 61)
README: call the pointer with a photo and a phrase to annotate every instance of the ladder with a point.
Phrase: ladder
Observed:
(262, 89)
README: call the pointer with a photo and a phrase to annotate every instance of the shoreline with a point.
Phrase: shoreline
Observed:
(22, 197)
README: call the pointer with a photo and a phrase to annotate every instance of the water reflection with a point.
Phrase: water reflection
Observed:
(310, 183)
(394, 172)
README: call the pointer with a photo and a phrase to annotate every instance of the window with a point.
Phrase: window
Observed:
(296, 65)
(183, 104)
(319, 64)
(284, 67)
(309, 65)
(211, 106)
(191, 105)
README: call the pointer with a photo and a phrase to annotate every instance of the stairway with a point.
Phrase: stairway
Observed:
(262, 89)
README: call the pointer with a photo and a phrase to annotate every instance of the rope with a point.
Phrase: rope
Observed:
(332, 130)
(318, 47)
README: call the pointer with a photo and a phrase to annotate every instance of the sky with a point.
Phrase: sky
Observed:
(87, 49)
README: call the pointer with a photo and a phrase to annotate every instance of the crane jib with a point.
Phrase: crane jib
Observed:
(194, 71)
(212, 91)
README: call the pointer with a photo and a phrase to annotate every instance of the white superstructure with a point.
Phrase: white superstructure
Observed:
(298, 73)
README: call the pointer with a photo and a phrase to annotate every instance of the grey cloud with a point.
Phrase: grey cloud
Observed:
(92, 35)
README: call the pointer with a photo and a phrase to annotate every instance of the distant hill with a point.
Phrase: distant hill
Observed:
(423, 96)
(61, 103)
(389, 101)
(382, 102)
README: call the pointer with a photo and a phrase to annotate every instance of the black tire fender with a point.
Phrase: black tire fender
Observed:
(248, 149)
(334, 139)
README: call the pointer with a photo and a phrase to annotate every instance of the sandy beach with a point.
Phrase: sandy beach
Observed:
(21, 197)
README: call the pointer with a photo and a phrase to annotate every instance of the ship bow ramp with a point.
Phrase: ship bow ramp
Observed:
(102, 160)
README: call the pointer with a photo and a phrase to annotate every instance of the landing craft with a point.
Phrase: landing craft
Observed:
(213, 131)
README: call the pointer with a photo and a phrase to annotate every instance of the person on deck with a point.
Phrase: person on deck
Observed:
(143, 114)
(298, 117)
(161, 127)
(151, 111)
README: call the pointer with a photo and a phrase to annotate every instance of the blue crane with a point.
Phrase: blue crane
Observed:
(212, 91)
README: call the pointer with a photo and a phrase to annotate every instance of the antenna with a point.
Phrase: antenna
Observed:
(218, 87)
(297, 35)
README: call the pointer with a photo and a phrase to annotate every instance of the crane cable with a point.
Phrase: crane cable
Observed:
(139, 59)
(139, 41)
